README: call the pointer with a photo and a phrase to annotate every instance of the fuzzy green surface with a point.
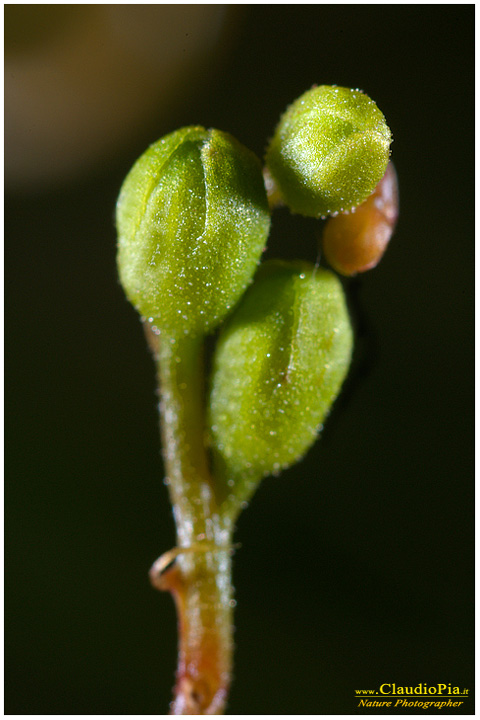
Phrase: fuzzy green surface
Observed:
(279, 364)
(192, 221)
(329, 151)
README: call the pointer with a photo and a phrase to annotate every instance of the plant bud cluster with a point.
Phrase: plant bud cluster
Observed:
(193, 220)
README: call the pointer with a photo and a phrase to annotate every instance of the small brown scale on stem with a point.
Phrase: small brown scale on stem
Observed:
(203, 672)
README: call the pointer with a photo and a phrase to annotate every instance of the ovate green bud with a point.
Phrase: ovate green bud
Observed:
(192, 220)
(279, 364)
(329, 151)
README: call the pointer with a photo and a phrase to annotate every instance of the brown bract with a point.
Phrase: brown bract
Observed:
(355, 242)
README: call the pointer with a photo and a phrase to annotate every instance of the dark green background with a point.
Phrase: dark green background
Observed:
(356, 566)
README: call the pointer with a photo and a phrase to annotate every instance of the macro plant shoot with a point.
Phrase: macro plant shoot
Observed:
(193, 220)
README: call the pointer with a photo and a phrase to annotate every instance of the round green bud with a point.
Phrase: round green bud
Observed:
(329, 151)
(192, 220)
(279, 364)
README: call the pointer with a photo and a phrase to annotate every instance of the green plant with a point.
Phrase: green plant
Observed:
(193, 218)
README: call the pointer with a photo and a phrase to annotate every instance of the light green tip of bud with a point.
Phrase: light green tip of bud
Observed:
(329, 151)
(279, 364)
(192, 221)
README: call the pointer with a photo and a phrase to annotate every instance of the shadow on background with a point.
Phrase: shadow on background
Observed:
(356, 566)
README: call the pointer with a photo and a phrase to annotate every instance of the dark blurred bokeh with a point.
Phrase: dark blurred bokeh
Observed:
(356, 566)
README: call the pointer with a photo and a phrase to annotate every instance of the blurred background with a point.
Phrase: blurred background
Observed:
(356, 566)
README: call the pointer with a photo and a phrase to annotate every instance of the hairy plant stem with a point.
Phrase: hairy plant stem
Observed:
(198, 571)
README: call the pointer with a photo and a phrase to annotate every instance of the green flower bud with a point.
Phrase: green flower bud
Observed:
(279, 364)
(192, 220)
(329, 151)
